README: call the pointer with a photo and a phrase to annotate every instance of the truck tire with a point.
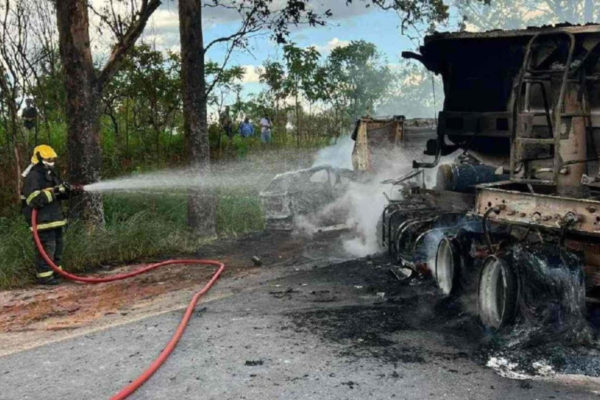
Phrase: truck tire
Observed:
(447, 266)
(498, 292)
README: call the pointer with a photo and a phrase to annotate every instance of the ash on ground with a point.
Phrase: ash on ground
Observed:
(389, 309)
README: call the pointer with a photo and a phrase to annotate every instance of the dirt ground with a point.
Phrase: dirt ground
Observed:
(40, 313)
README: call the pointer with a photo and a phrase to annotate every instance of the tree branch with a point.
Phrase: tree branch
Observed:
(234, 36)
(133, 32)
(217, 79)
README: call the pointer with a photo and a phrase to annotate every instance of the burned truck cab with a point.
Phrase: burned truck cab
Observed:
(520, 204)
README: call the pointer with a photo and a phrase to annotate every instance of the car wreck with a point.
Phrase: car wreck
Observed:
(294, 196)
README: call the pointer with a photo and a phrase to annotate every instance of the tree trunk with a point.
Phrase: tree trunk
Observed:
(14, 127)
(83, 108)
(201, 202)
(126, 128)
(297, 121)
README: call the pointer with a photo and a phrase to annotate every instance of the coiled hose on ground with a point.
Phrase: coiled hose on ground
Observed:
(133, 386)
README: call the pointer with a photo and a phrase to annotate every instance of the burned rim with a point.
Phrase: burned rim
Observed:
(497, 293)
(446, 266)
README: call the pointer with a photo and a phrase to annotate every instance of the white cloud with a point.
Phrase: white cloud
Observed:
(251, 74)
(330, 45)
(164, 18)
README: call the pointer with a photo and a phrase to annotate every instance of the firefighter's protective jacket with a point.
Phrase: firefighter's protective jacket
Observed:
(39, 192)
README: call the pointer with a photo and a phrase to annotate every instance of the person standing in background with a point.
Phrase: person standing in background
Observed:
(246, 128)
(29, 116)
(265, 129)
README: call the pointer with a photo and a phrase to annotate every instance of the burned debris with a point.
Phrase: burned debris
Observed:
(307, 196)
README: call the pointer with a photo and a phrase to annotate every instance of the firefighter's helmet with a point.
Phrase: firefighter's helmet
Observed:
(44, 151)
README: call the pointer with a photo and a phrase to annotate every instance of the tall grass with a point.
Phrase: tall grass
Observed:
(139, 227)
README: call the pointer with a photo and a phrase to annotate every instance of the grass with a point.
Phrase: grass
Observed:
(138, 227)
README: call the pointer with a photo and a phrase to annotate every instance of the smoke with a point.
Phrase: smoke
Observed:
(360, 203)
(363, 203)
(338, 155)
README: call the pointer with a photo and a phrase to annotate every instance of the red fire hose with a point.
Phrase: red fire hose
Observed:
(132, 387)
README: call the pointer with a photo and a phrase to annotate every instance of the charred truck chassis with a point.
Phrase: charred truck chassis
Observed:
(525, 239)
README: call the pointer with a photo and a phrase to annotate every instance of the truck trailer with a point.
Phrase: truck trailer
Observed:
(513, 223)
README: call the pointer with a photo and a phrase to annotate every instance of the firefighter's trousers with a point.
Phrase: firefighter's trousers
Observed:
(52, 240)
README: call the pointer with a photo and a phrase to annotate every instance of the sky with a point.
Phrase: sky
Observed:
(349, 22)
(354, 22)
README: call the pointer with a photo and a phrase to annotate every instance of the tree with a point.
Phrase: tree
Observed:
(301, 65)
(358, 79)
(150, 82)
(415, 93)
(415, 16)
(19, 60)
(85, 85)
(273, 74)
(255, 16)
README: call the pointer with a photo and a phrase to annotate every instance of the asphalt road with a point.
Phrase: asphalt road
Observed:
(309, 333)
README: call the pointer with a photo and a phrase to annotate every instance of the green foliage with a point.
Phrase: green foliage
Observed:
(142, 107)
(16, 252)
(142, 236)
(138, 228)
(418, 92)
(301, 65)
(221, 81)
(358, 78)
(239, 212)
(273, 75)
(351, 82)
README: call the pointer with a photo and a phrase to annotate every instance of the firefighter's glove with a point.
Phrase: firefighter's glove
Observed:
(63, 188)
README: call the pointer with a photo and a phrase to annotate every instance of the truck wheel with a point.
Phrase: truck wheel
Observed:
(498, 292)
(447, 266)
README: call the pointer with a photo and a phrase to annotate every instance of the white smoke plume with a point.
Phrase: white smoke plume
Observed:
(363, 200)
(338, 155)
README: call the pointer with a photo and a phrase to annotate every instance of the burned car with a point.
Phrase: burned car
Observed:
(302, 196)
(299, 194)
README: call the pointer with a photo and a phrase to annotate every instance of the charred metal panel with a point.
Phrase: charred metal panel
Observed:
(375, 133)
(538, 206)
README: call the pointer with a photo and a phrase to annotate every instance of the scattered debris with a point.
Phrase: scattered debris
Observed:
(350, 384)
(280, 294)
(256, 261)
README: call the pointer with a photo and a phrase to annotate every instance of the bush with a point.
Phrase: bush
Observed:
(239, 213)
(138, 228)
(141, 237)
(16, 253)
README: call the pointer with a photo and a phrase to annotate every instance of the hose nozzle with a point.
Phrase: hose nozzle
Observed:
(74, 188)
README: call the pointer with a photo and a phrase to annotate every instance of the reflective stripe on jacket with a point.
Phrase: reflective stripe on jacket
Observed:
(38, 193)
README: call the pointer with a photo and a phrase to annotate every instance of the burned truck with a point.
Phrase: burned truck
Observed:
(513, 222)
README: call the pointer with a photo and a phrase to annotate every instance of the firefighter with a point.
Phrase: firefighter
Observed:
(43, 190)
